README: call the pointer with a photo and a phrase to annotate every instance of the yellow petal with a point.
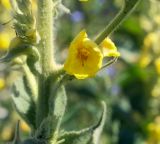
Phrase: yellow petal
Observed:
(84, 58)
(2, 84)
(78, 40)
(6, 4)
(83, 0)
(157, 65)
(109, 49)
(145, 60)
(4, 41)
(149, 40)
(24, 127)
(80, 76)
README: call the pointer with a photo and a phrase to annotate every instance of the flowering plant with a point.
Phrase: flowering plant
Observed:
(39, 94)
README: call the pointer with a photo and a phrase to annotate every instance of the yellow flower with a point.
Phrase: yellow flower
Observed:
(34, 5)
(24, 126)
(84, 59)
(154, 132)
(145, 60)
(6, 133)
(83, 0)
(2, 83)
(6, 4)
(4, 41)
(149, 40)
(157, 65)
(109, 49)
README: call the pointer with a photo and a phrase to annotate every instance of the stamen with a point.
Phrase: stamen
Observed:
(83, 54)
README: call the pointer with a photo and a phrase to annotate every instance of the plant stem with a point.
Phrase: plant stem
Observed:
(45, 29)
(126, 9)
(109, 63)
(46, 49)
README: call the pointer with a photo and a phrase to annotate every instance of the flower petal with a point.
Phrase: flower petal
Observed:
(109, 49)
(88, 62)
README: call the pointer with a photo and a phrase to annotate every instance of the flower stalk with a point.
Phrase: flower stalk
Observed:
(45, 29)
(127, 8)
(46, 48)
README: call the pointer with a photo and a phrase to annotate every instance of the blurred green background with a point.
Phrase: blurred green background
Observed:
(130, 87)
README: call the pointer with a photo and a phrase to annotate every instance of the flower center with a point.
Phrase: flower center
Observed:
(83, 54)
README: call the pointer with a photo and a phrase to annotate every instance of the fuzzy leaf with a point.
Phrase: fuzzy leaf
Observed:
(87, 136)
(30, 51)
(60, 103)
(51, 124)
(24, 21)
(77, 137)
(23, 102)
(99, 128)
(24, 6)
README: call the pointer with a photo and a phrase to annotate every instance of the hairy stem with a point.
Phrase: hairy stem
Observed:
(127, 8)
(45, 29)
(46, 49)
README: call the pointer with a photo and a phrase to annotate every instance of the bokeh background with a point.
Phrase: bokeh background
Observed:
(130, 87)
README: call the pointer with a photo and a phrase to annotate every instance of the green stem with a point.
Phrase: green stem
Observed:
(47, 63)
(109, 63)
(45, 29)
(17, 134)
(126, 9)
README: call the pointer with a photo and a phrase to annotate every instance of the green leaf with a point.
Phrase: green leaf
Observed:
(23, 49)
(23, 102)
(86, 136)
(24, 6)
(77, 137)
(60, 105)
(50, 126)
(30, 82)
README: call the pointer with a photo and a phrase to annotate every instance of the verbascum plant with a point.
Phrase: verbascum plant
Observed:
(39, 95)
